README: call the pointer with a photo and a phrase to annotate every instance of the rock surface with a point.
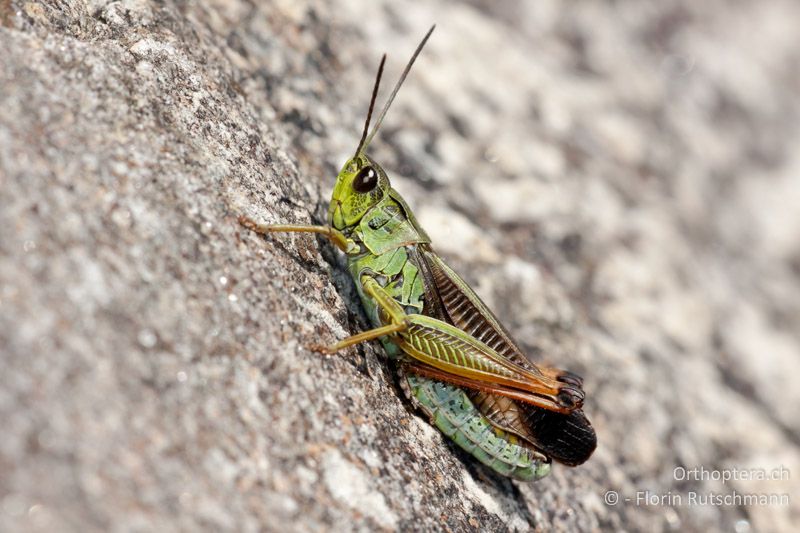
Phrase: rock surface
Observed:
(620, 181)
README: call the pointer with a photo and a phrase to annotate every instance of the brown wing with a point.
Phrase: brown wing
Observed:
(464, 309)
(569, 439)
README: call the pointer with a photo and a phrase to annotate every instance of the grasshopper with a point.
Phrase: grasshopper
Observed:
(457, 363)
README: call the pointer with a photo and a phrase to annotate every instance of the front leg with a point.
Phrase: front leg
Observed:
(334, 235)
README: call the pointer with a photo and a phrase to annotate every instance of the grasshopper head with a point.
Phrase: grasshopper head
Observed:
(360, 185)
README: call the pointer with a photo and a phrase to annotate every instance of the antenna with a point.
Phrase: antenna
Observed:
(363, 145)
(371, 106)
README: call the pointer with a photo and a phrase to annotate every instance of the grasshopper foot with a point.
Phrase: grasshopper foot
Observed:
(320, 349)
(250, 224)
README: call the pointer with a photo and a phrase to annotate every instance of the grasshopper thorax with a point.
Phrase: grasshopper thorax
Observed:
(360, 185)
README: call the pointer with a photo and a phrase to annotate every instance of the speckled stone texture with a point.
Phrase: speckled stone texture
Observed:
(619, 180)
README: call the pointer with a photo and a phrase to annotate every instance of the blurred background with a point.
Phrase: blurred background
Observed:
(619, 180)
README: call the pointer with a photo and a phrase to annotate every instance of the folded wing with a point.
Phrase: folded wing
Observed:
(567, 438)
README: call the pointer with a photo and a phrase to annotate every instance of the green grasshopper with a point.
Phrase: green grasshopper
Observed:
(458, 364)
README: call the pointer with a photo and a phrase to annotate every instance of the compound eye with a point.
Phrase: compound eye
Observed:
(366, 180)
